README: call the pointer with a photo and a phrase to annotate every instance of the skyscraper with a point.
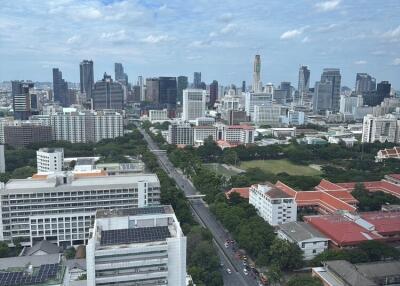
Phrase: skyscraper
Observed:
(194, 104)
(383, 91)
(86, 78)
(152, 90)
(213, 93)
(60, 88)
(107, 94)
(303, 84)
(197, 80)
(182, 84)
(168, 91)
(322, 99)
(257, 74)
(243, 86)
(286, 87)
(20, 92)
(142, 92)
(120, 75)
(333, 76)
(365, 83)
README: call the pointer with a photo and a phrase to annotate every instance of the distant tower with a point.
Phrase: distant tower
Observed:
(197, 80)
(244, 86)
(303, 84)
(213, 93)
(257, 74)
(2, 160)
(60, 88)
(86, 78)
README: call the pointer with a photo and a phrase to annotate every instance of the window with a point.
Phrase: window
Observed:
(314, 251)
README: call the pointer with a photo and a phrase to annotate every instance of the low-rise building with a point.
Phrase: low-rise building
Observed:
(141, 246)
(49, 160)
(393, 153)
(156, 115)
(309, 240)
(272, 204)
(239, 134)
(201, 133)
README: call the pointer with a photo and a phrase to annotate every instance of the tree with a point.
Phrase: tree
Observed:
(70, 252)
(286, 255)
(376, 250)
(304, 280)
(274, 274)
(230, 157)
(4, 249)
(23, 172)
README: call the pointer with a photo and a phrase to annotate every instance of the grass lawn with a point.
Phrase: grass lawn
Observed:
(219, 169)
(280, 166)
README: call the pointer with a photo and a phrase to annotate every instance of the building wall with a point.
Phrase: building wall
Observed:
(194, 104)
(49, 161)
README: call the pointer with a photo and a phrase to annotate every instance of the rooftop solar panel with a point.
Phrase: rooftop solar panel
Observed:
(134, 235)
(45, 272)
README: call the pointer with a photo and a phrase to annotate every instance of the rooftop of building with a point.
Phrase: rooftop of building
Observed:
(385, 223)
(348, 273)
(271, 191)
(134, 235)
(243, 192)
(244, 126)
(41, 246)
(300, 231)
(51, 150)
(167, 209)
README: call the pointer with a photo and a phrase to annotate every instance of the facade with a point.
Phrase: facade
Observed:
(213, 93)
(158, 115)
(86, 77)
(120, 75)
(49, 160)
(142, 246)
(272, 204)
(152, 90)
(303, 85)
(364, 83)
(257, 85)
(322, 99)
(21, 95)
(26, 133)
(239, 134)
(168, 92)
(200, 133)
(382, 129)
(2, 160)
(194, 104)
(61, 207)
(182, 83)
(180, 133)
(333, 76)
(197, 80)
(256, 99)
(107, 94)
(309, 240)
(235, 117)
(349, 103)
(270, 114)
(60, 88)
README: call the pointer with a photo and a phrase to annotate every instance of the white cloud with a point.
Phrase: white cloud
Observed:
(292, 33)
(305, 39)
(393, 35)
(151, 39)
(396, 62)
(74, 39)
(326, 6)
(360, 62)
(229, 28)
(114, 36)
(327, 28)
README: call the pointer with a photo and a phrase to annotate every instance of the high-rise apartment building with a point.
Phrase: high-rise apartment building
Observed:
(213, 93)
(120, 75)
(333, 76)
(108, 94)
(303, 85)
(21, 95)
(194, 104)
(182, 83)
(60, 88)
(168, 92)
(152, 90)
(49, 160)
(257, 74)
(26, 133)
(197, 80)
(382, 128)
(61, 207)
(252, 99)
(86, 77)
(180, 133)
(136, 246)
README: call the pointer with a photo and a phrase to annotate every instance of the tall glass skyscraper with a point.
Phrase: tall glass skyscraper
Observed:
(86, 77)
(182, 84)
(303, 85)
(257, 74)
(60, 88)
(333, 76)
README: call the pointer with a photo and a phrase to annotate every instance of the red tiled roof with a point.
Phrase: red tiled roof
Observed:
(243, 192)
(386, 223)
(286, 188)
(341, 230)
(383, 186)
(326, 185)
(395, 176)
(343, 195)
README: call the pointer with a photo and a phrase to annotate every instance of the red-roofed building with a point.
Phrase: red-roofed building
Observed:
(374, 186)
(383, 154)
(243, 192)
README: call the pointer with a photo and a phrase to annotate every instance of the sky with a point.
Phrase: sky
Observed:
(217, 38)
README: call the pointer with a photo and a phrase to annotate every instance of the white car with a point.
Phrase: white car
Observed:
(245, 271)
(229, 270)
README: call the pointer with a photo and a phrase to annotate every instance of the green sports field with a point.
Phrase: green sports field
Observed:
(280, 166)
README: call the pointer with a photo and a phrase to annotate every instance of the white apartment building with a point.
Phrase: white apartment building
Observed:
(239, 134)
(272, 204)
(200, 133)
(348, 103)
(7, 121)
(194, 104)
(180, 133)
(382, 129)
(142, 246)
(269, 114)
(49, 160)
(61, 207)
(256, 99)
(309, 240)
(158, 115)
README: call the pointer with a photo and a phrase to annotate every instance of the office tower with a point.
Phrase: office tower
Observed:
(61, 207)
(269, 88)
(348, 103)
(235, 117)
(86, 77)
(2, 160)
(252, 99)
(280, 96)
(303, 85)
(364, 83)
(383, 91)
(168, 92)
(322, 99)
(120, 75)
(213, 93)
(182, 84)
(197, 80)
(194, 104)
(140, 83)
(60, 88)
(287, 88)
(107, 94)
(20, 92)
(333, 76)
(243, 86)
(382, 128)
(152, 90)
(49, 160)
(257, 74)
(136, 246)
(26, 133)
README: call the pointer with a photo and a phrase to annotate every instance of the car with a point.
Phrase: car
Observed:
(229, 270)
(245, 271)
(226, 245)
(221, 264)
(244, 263)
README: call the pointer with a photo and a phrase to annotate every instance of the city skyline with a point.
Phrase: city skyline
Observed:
(172, 38)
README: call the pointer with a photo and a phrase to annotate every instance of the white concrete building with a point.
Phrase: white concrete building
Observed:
(180, 133)
(49, 160)
(158, 115)
(194, 104)
(309, 240)
(269, 114)
(2, 160)
(142, 246)
(200, 133)
(382, 129)
(256, 99)
(61, 207)
(239, 134)
(272, 204)
(348, 103)
(7, 121)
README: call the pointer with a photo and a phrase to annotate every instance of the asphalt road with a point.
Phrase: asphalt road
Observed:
(208, 220)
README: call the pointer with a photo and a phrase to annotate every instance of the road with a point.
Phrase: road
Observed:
(207, 219)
